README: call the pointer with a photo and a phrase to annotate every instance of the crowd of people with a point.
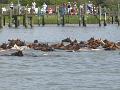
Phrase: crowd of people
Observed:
(71, 8)
(66, 8)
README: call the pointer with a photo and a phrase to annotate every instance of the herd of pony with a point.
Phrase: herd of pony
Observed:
(65, 44)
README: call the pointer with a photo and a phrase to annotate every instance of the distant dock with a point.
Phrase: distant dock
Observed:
(15, 17)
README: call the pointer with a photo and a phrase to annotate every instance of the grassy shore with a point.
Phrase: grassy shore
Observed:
(69, 19)
(52, 19)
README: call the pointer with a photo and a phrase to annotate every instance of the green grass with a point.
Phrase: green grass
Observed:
(71, 19)
(52, 19)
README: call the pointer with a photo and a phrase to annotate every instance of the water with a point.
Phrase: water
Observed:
(60, 70)
(53, 33)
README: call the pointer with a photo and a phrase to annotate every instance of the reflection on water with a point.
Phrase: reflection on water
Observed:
(60, 70)
(55, 34)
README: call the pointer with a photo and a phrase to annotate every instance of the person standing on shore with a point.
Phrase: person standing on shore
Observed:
(33, 5)
(11, 5)
(44, 8)
(69, 7)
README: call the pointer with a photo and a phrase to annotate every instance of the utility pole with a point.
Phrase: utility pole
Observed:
(99, 10)
(18, 21)
(18, 5)
(118, 14)
(105, 16)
